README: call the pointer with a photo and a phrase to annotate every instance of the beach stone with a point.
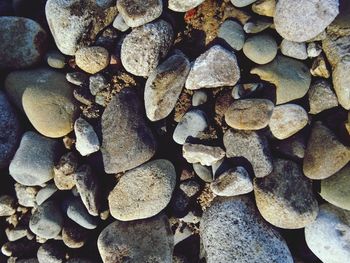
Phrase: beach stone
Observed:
(191, 124)
(77, 212)
(97, 83)
(256, 26)
(284, 197)
(294, 49)
(7, 205)
(143, 192)
(199, 97)
(203, 172)
(47, 220)
(9, 129)
(19, 248)
(293, 147)
(125, 133)
(74, 235)
(319, 68)
(34, 160)
(92, 59)
(287, 119)
(119, 23)
(249, 114)
(232, 32)
(63, 171)
(76, 23)
(335, 189)
(164, 85)
(291, 78)
(190, 187)
(242, 3)
(325, 154)
(16, 233)
(341, 79)
(45, 193)
(233, 182)
(231, 225)
(260, 49)
(321, 97)
(26, 195)
(140, 58)
(216, 67)
(77, 78)
(30, 42)
(147, 240)
(313, 50)
(251, 146)
(300, 21)
(51, 252)
(183, 5)
(55, 59)
(203, 154)
(328, 235)
(264, 7)
(86, 138)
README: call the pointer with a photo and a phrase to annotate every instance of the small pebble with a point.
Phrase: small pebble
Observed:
(256, 26)
(232, 33)
(51, 252)
(313, 50)
(199, 97)
(92, 59)
(119, 23)
(7, 205)
(319, 68)
(242, 3)
(294, 49)
(190, 187)
(16, 233)
(203, 154)
(77, 78)
(55, 59)
(64, 170)
(26, 195)
(45, 193)
(77, 212)
(97, 83)
(260, 49)
(203, 172)
(87, 141)
(74, 235)
(183, 5)
(264, 7)
(321, 97)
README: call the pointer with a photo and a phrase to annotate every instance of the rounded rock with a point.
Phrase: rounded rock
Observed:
(51, 252)
(92, 59)
(87, 141)
(55, 59)
(183, 5)
(199, 97)
(294, 49)
(232, 32)
(321, 97)
(260, 49)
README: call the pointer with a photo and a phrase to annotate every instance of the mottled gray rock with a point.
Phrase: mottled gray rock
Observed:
(328, 235)
(216, 67)
(45, 193)
(55, 59)
(119, 23)
(143, 192)
(7, 205)
(97, 83)
(26, 195)
(164, 85)
(251, 146)
(142, 57)
(190, 187)
(260, 49)
(264, 7)
(232, 32)
(86, 139)
(256, 26)
(34, 160)
(22, 42)
(203, 154)
(76, 211)
(229, 228)
(183, 5)
(242, 3)
(76, 23)
(199, 97)
(127, 140)
(203, 172)
(92, 59)
(321, 97)
(51, 252)
(147, 240)
(294, 49)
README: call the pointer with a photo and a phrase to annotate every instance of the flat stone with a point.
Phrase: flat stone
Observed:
(249, 114)
(294, 49)
(16, 233)
(147, 240)
(325, 154)
(321, 97)
(77, 212)
(301, 21)
(127, 140)
(164, 85)
(92, 59)
(242, 3)
(119, 23)
(22, 42)
(7, 205)
(74, 235)
(203, 154)
(199, 97)
(55, 59)
(229, 228)
(264, 7)
(183, 5)
(232, 32)
(256, 26)
(26, 195)
(287, 119)
(251, 146)
(87, 141)
(140, 58)
(51, 252)
(291, 78)
(260, 49)
(216, 67)
(203, 172)
(143, 192)
(34, 160)
(328, 235)
(45, 193)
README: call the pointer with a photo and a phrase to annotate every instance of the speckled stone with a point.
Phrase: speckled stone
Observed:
(260, 49)
(92, 59)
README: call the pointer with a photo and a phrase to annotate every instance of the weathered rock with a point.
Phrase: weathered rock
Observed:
(301, 21)
(7, 205)
(260, 49)
(341, 78)
(45, 193)
(294, 49)
(77, 212)
(74, 235)
(328, 235)
(143, 192)
(291, 78)
(203, 154)
(164, 85)
(319, 68)
(242, 3)
(63, 171)
(203, 172)
(77, 78)
(26, 195)
(22, 42)
(230, 227)
(216, 67)
(264, 7)
(92, 59)
(190, 187)
(76, 23)
(321, 97)
(148, 240)
(51, 252)
(20, 248)
(249, 114)
(16, 233)
(183, 5)
(142, 57)
(251, 146)
(86, 139)
(313, 50)
(325, 154)
(97, 83)
(232, 32)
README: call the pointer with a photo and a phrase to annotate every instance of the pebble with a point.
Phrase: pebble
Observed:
(16, 233)
(77, 78)
(232, 32)
(291, 78)
(252, 146)
(77, 212)
(249, 114)
(47, 220)
(321, 97)
(75, 24)
(55, 59)
(216, 67)
(287, 119)
(284, 197)
(51, 252)
(313, 50)
(164, 85)
(190, 187)
(45, 193)
(264, 7)
(26, 195)
(183, 5)
(34, 160)
(180, 203)
(86, 138)
(325, 154)
(294, 49)
(256, 26)
(73, 235)
(125, 133)
(143, 192)
(260, 49)
(19, 248)
(7, 205)
(341, 78)
(138, 12)
(229, 228)
(328, 235)
(203, 172)
(233, 182)
(335, 189)
(293, 147)
(140, 58)
(199, 97)
(301, 21)
(119, 23)
(30, 42)
(319, 68)
(97, 83)
(191, 124)
(242, 3)
(46, 97)
(147, 240)
(63, 171)
(203, 154)
(9, 129)
(92, 59)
